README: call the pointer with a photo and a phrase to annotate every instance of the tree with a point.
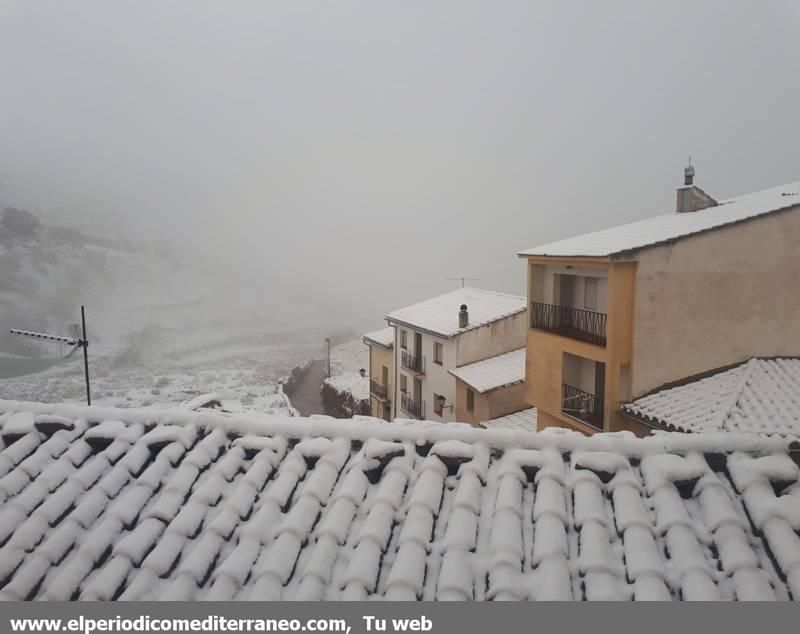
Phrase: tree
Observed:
(19, 223)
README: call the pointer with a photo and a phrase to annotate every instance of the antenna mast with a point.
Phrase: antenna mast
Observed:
(463, 279)
(77, 340)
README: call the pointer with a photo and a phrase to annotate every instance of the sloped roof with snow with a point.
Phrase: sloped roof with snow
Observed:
(383, 338)
(102, 503)
(494, 372)
(672, 226)
(439, 315)
(518, 421)
(761, 396)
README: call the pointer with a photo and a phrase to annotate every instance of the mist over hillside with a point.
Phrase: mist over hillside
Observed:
(148, 303)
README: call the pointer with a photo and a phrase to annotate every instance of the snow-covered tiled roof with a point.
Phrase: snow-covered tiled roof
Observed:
(102, 503)
(489, 374)
(671, 226)
(518, 421)
(760, 396)
(383, 338)
(439, 315)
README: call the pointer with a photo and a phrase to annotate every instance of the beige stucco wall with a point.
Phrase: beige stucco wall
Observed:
(501, 336)
(481, 412)
(380, 357)
(507, 400)
(717, 298)
(489, 405)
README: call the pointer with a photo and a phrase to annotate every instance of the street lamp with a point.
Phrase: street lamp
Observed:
(328, 341)
(440, 401)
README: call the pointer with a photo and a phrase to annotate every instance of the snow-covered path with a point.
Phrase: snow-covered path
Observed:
(307, 398)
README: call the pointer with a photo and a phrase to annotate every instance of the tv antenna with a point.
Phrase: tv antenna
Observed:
(77, 340)
(463, 279)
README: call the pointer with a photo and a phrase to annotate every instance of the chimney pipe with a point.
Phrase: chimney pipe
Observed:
(463, 317)
(690, 196)
(688, 174)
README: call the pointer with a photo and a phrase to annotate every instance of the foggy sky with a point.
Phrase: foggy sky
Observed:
(368, 150)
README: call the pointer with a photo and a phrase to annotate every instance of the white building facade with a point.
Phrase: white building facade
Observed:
(441, 334)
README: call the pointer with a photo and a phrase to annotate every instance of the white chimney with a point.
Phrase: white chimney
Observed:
(463, 317)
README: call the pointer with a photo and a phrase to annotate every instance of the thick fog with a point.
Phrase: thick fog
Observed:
(361, 153)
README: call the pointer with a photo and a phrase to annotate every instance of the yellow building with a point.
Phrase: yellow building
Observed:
(381, 372)
(618, 313)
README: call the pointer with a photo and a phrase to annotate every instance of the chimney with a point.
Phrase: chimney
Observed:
(690, 196)
(688, 174)
(463, 317)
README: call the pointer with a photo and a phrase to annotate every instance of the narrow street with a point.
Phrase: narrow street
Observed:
(307, 399)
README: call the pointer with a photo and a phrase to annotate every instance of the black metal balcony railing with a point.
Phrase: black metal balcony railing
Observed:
(378, 390)
(412, 362)
(582, 405)
(412, 406)
(576, 323)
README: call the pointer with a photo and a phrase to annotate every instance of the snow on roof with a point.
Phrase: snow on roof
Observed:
(173, 504)
(439, 315)
(760, 396)
(489, 374)
(671, 226)
(203, 400)
(518, 421)
(384, 338)
(351, 383)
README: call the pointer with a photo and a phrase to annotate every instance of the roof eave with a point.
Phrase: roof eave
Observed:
(652, 423)
(399, 322)
(372, 342)
(634, 250)
(554, 259)
(392, 321)
(487, 390)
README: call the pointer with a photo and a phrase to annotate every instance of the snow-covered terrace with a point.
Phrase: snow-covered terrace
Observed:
(102, 503)
(494, 372)
(524, 420)
(760, 396)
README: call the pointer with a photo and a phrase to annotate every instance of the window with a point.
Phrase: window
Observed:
(403, 383)
(470, 400)
(403, 339)
(438, 352)
(437, 404)
(590, 293)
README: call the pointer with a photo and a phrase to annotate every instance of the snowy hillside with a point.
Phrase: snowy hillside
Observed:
(162, 327)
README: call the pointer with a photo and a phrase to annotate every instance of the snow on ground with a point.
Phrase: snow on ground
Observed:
(347, 359)
(250, 381)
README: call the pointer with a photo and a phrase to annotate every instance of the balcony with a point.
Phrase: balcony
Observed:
(586, 407)
(412, 363)
(575, 323)
(379, 390)
(412, 406)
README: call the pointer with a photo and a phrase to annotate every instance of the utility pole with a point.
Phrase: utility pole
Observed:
(76, 341)
(328, 341)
